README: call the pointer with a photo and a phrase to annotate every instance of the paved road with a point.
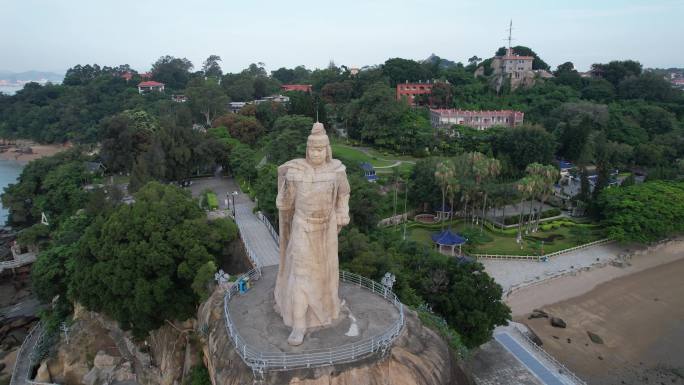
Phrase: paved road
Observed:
(254, 233)
(537, 368)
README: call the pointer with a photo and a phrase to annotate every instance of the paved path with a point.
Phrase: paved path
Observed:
(20, 260)
(528, 359)
(510, 274)
(253, 232)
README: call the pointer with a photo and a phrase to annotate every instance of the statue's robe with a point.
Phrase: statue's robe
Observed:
(312, 202)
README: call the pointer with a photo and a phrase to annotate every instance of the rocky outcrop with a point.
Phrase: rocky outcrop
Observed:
(99, 352)
(419, 356)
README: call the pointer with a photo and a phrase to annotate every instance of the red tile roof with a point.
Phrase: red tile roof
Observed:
(296, 87)
(150, 83)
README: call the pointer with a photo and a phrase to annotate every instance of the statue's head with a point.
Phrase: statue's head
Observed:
(318, 149)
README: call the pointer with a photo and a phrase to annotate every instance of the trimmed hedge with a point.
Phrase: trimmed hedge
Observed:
(513, 219)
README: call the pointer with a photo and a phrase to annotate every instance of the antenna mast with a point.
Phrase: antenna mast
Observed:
(510, 34)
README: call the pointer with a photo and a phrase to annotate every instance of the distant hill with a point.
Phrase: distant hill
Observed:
(443, 63)
(10, 77)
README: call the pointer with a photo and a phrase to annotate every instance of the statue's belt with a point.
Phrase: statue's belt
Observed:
(314, 220)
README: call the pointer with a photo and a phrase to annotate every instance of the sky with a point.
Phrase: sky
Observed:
(53, 35)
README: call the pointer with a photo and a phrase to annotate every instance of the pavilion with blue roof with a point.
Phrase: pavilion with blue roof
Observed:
(448, 238)
(369, 172)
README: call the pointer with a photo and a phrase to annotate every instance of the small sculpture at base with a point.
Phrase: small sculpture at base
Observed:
(313, 205)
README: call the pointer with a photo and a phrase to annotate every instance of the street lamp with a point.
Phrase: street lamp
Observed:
(233, 198)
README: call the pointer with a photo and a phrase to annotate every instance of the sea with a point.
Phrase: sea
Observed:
(10, 90)
(9, 170)
(9, 173)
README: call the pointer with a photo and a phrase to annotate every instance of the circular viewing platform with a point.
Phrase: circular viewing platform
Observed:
(371, 318)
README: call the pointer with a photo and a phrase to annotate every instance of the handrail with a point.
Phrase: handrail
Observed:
(545, 256)
(261, 361)
(549, 357)
(269, 226)
(27, 344)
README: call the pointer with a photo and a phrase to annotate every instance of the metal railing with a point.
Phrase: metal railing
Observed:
(269, 226)
(261, 362)
(542, 257)
(26, 357)
(19, 260)
(563, 369)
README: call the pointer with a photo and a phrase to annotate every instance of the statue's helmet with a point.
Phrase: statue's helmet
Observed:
(319, 138)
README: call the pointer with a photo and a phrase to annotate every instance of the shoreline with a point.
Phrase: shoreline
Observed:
(636, 319)
(524, 300)
(13, 153)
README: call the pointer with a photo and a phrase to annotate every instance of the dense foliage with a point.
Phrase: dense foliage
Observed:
(147, 262)
(645, 212)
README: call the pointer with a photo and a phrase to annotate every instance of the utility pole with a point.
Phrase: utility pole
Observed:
(510, 34)
(405, 212)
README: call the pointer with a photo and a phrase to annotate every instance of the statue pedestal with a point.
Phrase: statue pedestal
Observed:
(415, 355)
(368, 324)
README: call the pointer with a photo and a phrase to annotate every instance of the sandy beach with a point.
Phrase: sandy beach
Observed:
(37, 151)
(637, 311)
(526, 299)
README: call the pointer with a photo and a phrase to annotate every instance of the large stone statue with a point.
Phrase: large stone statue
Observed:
(313, 204)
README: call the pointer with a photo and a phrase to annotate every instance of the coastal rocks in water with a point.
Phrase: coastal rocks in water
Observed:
(558, 322)
(418, 356)
(595, 338)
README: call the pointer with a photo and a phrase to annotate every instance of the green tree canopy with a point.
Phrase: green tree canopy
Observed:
(524, 145)
(145, 262)
(644, 212)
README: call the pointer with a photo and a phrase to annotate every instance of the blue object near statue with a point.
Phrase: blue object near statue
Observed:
(243, 285)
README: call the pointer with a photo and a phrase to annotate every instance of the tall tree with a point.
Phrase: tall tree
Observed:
(212, 68)
(173, 72)
(207, 98)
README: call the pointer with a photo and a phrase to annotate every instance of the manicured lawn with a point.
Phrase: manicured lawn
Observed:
(212, 201)
(375, 157)
(357, 155)
(490, 242)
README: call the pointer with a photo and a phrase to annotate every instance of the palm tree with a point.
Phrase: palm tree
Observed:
(443, 172)
(526, 187)
(477, 168)
(493, 168)
(454, 185)
(546, 176)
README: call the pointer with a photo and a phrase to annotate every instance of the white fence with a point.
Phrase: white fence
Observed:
(563, 370)
(541, 258)
(26, 357)
(269, 226)
(18, 261)
(261, 362)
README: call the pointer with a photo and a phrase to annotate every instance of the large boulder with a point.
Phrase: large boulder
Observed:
(419, 356)
(558, 322)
